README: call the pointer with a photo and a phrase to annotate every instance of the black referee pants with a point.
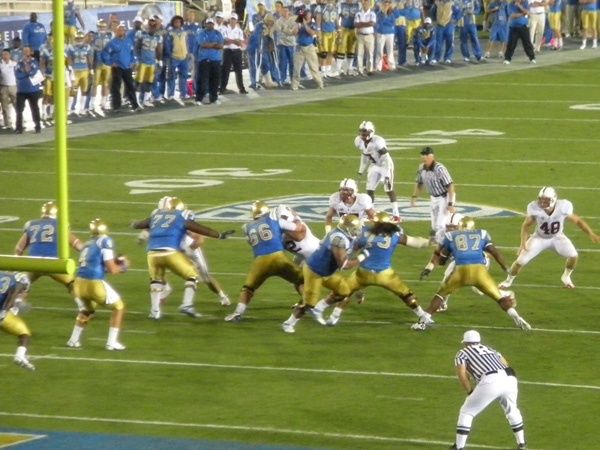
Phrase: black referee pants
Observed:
(232, 57)
(514, 34)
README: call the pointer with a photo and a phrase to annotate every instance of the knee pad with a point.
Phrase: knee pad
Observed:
(156, 286)
(191, 283)
(322, 55)
(409, 299)
(247, 289)
(118, 306)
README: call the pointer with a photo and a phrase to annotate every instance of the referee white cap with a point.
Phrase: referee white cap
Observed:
(471, 336)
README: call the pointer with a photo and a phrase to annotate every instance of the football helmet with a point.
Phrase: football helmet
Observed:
(547, 197)
(382, 217)
(79, 36)
(453, 221)
(259, 208)
(176, 203)
(101, 24)
(366, 129)
(21, 277)
(163, 203)
(98, 227)
(348, 188)
(49, 209)
(466, 223)
(350, 224)
(284, 212)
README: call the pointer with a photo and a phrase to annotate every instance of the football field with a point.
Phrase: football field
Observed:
(370, 382)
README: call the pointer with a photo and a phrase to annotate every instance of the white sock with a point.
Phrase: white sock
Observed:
(166, 291)
(395, 209)
(512, 312)
(222, 295)
(113, 334)
(76, 334)
(21, 352)
(510, 278)
(520, 436)
(336, 313)
(81, 104)
(418, 311)
(291, 320)
(156, 290)
(320, 306)
(240, 308)
(188, 294)
(584, 42)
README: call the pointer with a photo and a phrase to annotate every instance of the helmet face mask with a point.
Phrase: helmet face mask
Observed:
(350, 224)
(259, 208)
(98, 227)
(348, 189)
(466, 223)
(547, 198)
(49, 209)
(453, 221)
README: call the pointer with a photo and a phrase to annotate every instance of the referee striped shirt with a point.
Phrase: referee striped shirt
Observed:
(479, 360)
(436, 179)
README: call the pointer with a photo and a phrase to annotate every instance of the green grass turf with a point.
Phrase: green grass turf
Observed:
(251, 380)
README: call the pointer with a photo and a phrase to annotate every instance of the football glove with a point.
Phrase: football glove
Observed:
(226, 234)
(424, 274)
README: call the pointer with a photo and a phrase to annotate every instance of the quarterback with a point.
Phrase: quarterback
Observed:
(376, 159)
(549, 213)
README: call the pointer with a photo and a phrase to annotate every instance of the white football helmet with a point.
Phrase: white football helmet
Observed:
(284, 212)
(366, 129)
(453, 221)
(547, 197)
(348, 188)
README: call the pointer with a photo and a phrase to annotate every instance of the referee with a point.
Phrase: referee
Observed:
(495, 380)
(440, 187)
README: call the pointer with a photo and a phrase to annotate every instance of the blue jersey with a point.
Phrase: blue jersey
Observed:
(385, 22)
(92, 257)
(146, 45)
(467, 246)
(167, 228)
(7, 285)
(322, 261)
(79, 55)
(347, 11)
(264, 235)
(100, 42)
(41, 237)
(381, 248)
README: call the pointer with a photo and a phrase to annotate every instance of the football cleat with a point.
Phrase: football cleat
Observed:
(24, 363)
(566, 280)
(154, 314)
(506, 284)
(333, 320)
(189, 311)
(233, 317)
(522, 446)
(73, 344)
(115, 346)
(522, 324)
(286, 327)
(318, 316)
(419, 326)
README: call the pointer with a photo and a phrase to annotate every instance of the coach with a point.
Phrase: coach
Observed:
(440, 187)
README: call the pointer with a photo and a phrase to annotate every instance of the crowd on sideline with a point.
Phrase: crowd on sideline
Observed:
(183, 61)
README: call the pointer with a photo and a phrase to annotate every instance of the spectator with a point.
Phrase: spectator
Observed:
(285, 26)
(209, 55)
(468, 30)
(498, 17)
(16, 51)
(400, 32)
(446, 12)
(364, 21)
(8, 87)
(254, 29)
(34, 35)
(268, 65)
(424, 42)
(29, 88)
(233, 39)
(537, 22)
(517, 29)
(385, 29)
(120, 51)
(177, 57)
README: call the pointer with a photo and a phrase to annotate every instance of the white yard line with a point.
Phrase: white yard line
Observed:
(27, 438)
(276, 430)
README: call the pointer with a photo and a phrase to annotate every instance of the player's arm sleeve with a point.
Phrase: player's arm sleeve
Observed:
(141, 224)
(201, 229)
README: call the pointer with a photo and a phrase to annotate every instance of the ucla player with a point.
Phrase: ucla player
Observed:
(178, 40)
(424, 42)
(555, 8)
(348, 201)
(72, 15)
(98, 257)
(378, 241)
(40, 239)
(321, 270)
(346, 47)
(168, 226)
(13, 288)
(376, 160)
(468, 29)
(265, 236)
(149, 51)
(80, 57)
(102, 69)
(414, 15)
(467, 245)
(326, 15)
(47, 69)
(549, 213)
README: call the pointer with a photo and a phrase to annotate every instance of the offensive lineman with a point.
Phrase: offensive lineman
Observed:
(549, 212)
(376, 159)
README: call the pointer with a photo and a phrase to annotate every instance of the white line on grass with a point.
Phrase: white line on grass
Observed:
(390, 99)
(408, 399)
(360, 437)
(28, 438)
(288, 369)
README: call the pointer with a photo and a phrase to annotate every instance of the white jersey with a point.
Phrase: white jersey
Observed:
(305, 246)
(359, 208)
(375, 152)
(549, 226)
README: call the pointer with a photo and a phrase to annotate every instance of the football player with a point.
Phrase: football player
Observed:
(80, 57)
(40, 238)
(301, 241)
(167, 226)
(91, 289)
(101, 67)
(321, 269)
(149, 49)
(380, 238)
(348, 201)
(13, 288)
(549, 213)
(376, 159)
(265, 235)
(467, 245)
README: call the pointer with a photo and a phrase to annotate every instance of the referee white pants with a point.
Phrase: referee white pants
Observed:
(498, 386)
(365, 49)
(439, 209)
(537, 22)
(385, 46)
